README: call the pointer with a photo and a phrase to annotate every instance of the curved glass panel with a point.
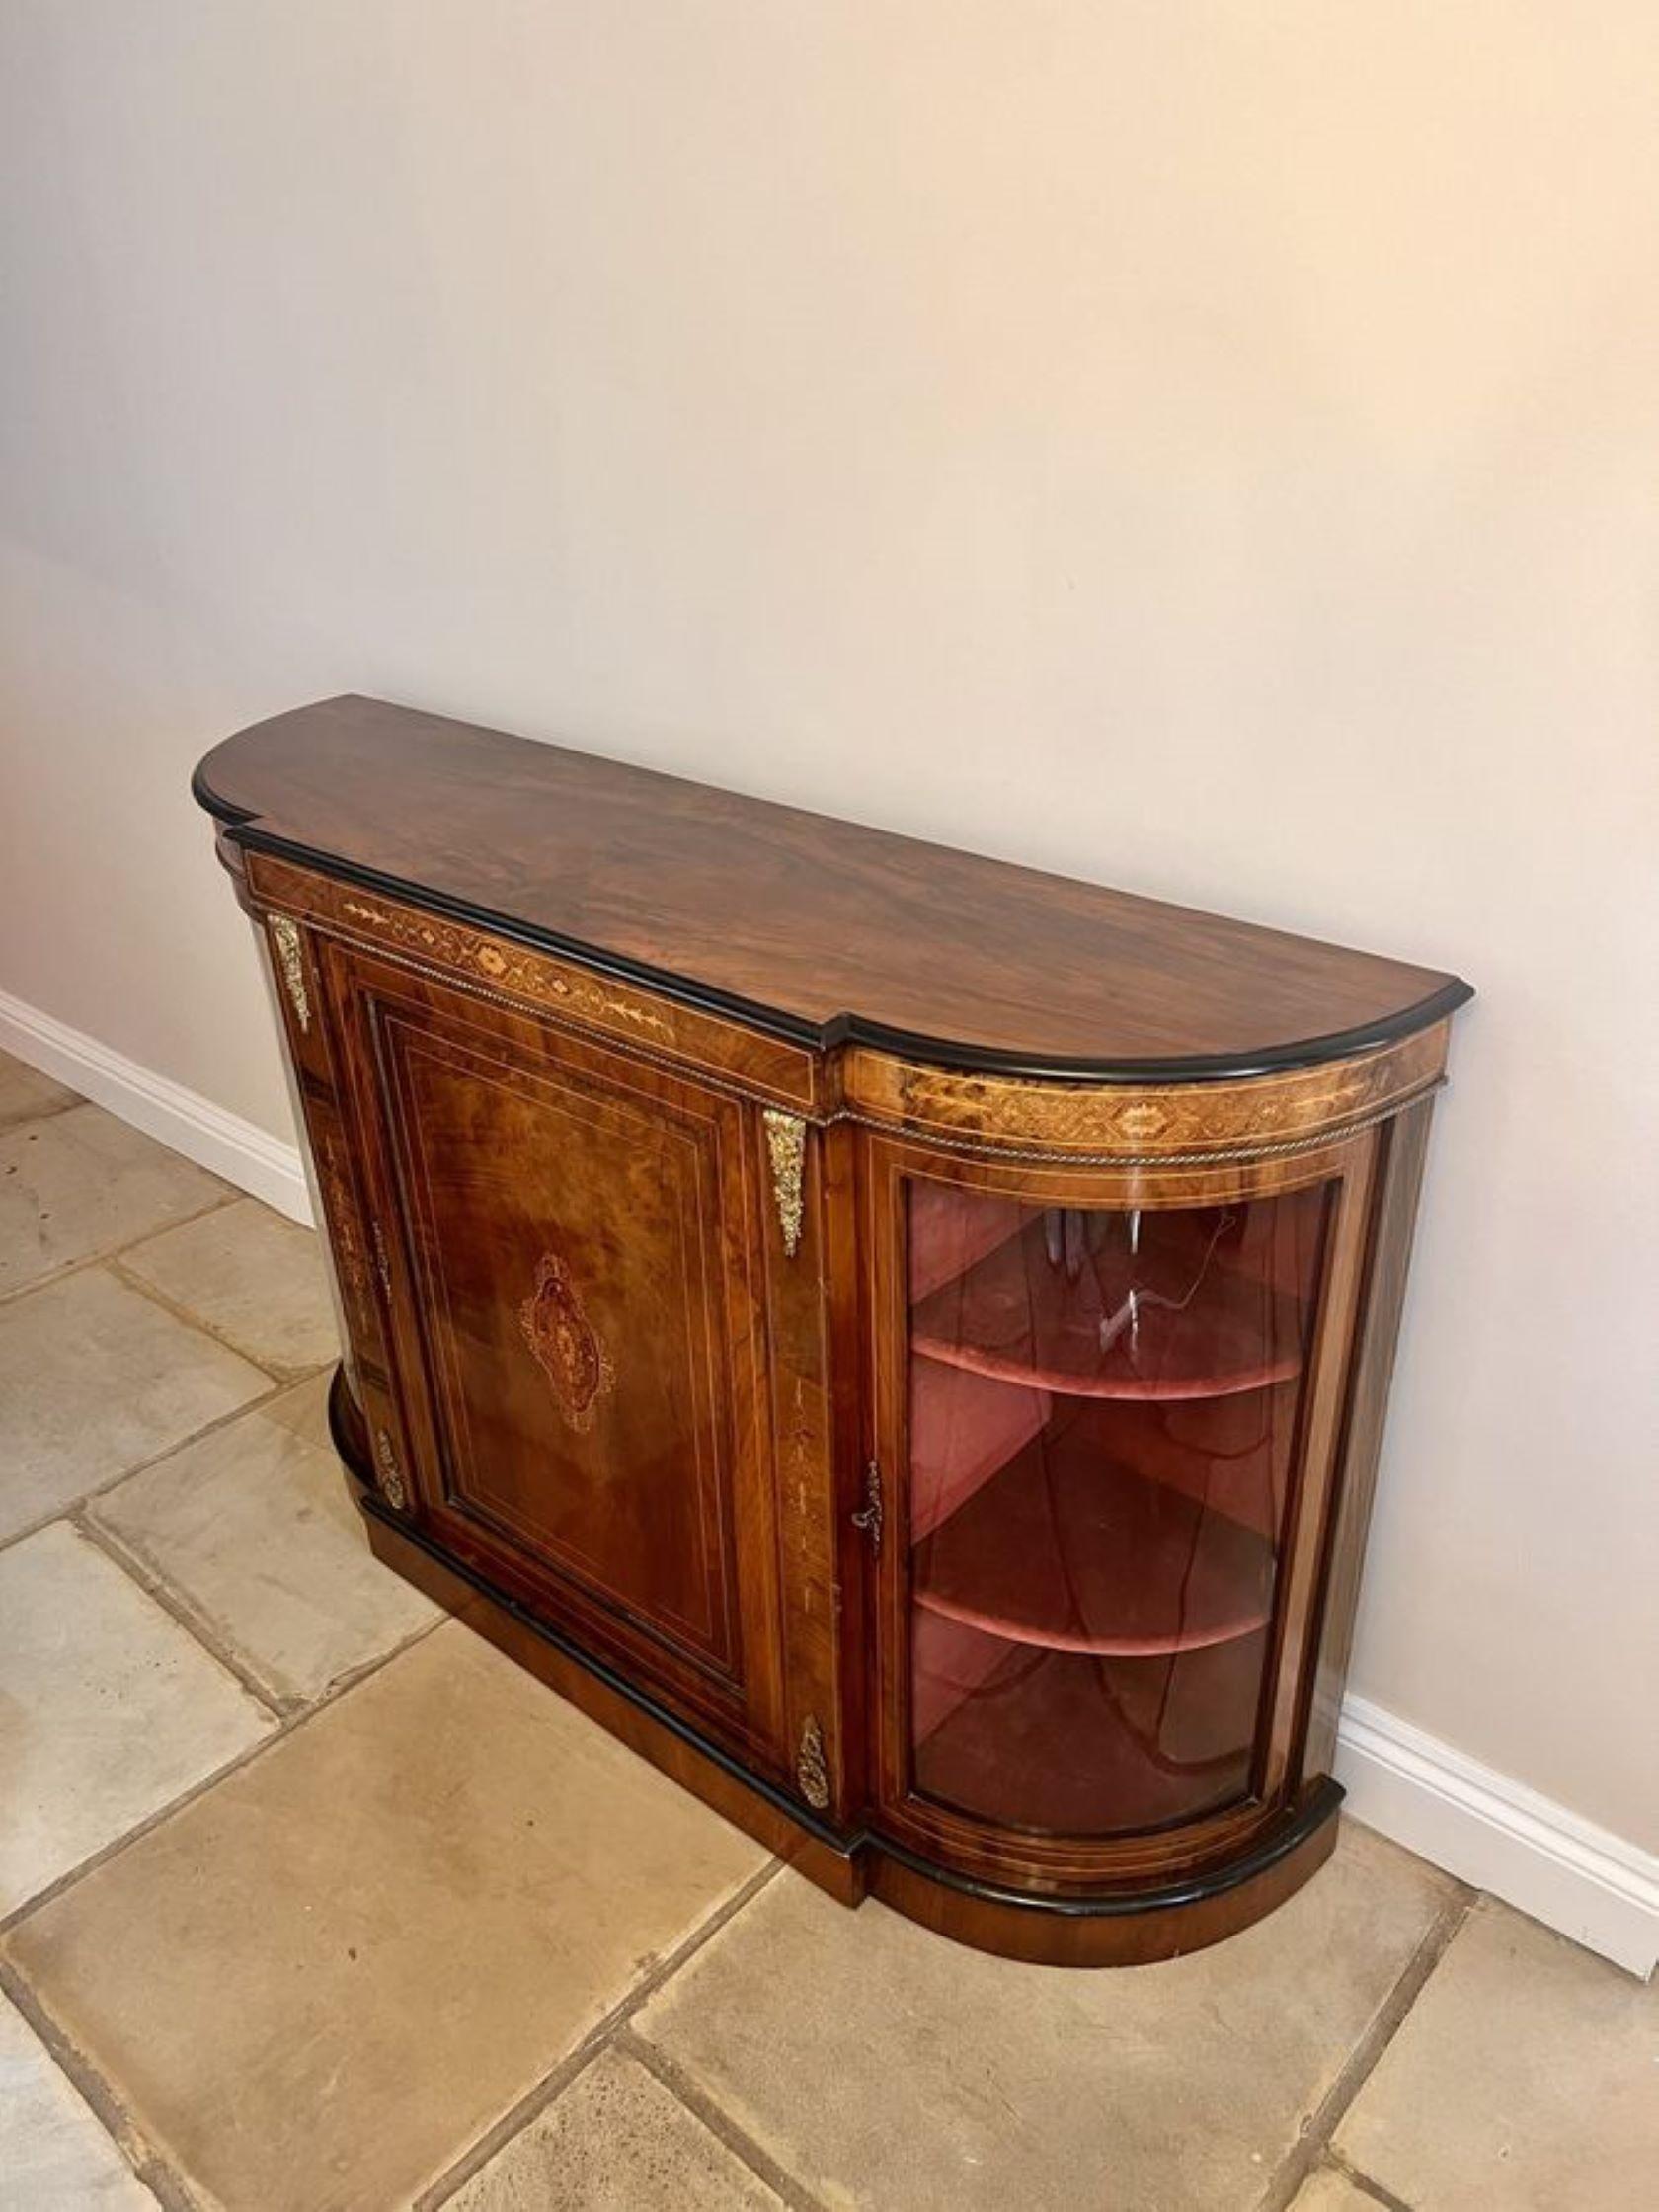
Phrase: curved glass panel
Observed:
(1103, 1414)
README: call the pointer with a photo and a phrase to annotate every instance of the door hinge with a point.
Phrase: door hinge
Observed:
(869, 1515)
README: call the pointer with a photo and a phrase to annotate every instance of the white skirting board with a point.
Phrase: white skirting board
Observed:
(1499, 1835)
(1435, 1799)
(239, 1150)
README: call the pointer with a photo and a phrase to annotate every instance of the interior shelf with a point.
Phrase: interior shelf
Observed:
(1074, 1551)
(1198, 1327)
(947, 1237)
(963, 1429)
(1070, 1745)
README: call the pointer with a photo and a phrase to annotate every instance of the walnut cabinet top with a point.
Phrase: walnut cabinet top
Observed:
(803, 926)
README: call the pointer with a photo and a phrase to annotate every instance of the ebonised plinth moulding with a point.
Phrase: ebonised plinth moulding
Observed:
(899, 1339)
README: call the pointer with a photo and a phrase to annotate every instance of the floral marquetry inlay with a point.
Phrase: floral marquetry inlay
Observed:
(530, 974)
(1135, 1122)
(555, 1325)
(496, 967)
(351, 1264)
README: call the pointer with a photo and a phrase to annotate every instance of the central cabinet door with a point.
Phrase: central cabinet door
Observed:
(572, 1245)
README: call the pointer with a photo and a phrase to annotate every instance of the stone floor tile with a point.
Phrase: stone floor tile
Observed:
(254, 1533)
(616, 2141)
(1328, 2189)
(881, 2064)
(82, 1184)
(303, 1411)
(325, 1978)
(94, 1378)
(53, 2155)
(250, 1277)
(109, 1709)
(1526, 2075)
(26, 1093)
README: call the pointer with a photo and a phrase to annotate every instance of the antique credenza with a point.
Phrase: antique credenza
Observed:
(899, 1339)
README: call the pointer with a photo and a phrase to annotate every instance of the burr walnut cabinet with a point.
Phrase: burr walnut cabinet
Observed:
(899, 1339)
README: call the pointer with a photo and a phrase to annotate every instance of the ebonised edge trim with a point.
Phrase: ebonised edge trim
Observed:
(1319, 1805)
(240, 827)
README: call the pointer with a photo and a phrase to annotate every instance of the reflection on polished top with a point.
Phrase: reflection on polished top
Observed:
(812, 928)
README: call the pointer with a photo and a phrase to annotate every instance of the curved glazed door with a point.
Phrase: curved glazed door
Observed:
(1108, 1406)
(571, 1243)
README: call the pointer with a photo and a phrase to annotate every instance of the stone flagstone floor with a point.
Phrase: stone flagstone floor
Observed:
(310, 1900)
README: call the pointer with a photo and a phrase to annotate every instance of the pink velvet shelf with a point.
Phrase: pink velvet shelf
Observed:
(947, 1236)
(1017, 1317)
(1068, 1550)
(1071, 1745)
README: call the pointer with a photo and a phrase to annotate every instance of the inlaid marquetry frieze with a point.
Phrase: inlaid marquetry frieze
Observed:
(513, 971)
(530, 975)
(993, 1114)
(1141, 1122)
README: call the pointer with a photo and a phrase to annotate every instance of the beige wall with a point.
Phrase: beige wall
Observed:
(1211, 448)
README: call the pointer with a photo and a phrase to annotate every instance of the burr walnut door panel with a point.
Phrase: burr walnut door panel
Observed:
(572, 1250)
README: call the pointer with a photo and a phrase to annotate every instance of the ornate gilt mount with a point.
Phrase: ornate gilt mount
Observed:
(389, 1479)
(810, 1772)
(556, 1327)
(291, 959)
(786, 1144)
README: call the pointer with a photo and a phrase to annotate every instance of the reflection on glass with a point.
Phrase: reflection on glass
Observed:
(1102, 1418)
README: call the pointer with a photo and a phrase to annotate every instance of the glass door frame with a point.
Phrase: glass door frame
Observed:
(1024, 1858)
